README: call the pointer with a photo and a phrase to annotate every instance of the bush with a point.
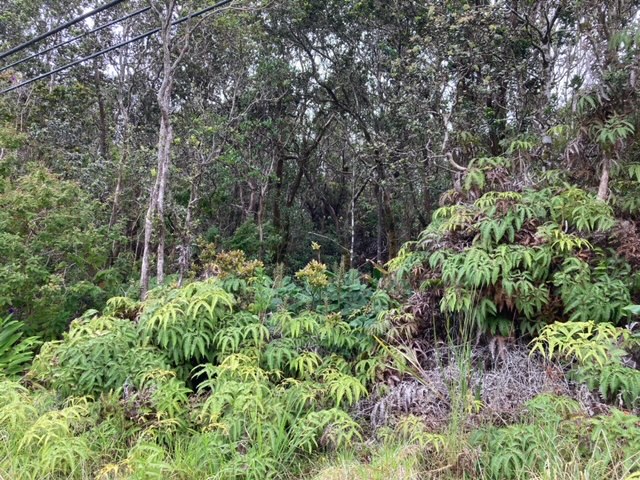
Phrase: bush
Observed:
(262, 377)
(514, 261)
(51, 247)
(15, 351)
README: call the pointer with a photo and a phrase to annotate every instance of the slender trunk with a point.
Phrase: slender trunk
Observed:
(379, 227)
(185, 251)
(391, 231)
(102, 116)
(165, 138)
(124, 158)
(146, 250)
(547, 75)
(259, 215)
(277, 198)
(603, 189)
(116, 199)
(124, 108)
(156, 202)
(285, 235)
(164, 163)
(352, 248)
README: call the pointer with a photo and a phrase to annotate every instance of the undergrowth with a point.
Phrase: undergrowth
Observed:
(237, 376)
(246, 376)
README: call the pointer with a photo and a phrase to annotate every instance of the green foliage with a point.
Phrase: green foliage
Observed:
(199, 368)
(413, 431)
(183, 322)
(514, 260)
(557, 433)
(97, 354)
(391, 460)
(247, 238)
(41, 439)
(15, 351)
(598, 351)
(51, 247)
(612, 131)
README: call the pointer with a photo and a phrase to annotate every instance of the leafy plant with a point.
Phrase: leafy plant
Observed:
(597, 349)
(183, 322)
(15, 350)
(51, 248)
(96, 355)
(557, 435)
(513, 260)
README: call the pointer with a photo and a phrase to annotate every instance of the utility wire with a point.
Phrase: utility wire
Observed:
(71, 40)
(115, 47)
(113, 3)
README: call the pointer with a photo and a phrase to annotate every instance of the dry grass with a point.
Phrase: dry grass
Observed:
(497, 386)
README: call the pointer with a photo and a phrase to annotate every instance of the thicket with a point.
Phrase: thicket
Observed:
(501, 343)
(240, 373)
(249, 376)
(238, 376)
(516, 259)
(54, 252)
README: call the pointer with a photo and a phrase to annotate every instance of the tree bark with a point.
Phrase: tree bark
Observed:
(380, 222)
(102, 115)
(603, 189)
(165, 138)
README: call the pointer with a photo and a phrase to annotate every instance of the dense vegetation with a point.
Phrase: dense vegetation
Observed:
(329, 240)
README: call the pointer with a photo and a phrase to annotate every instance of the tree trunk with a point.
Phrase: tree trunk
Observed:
(102, 116)
(603, 189)
(185, 251)
(380, 222)
(164, 163)
(390, 227)
(277, 198)
(165, 138)
(146, 250)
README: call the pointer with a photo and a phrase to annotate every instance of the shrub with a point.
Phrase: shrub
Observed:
(556, 435)
(15, 351)
(259, 383)
(50, 250)
(517, 260)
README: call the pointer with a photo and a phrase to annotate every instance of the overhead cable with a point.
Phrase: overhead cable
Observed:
(115, 47)
(28, 43)
(71, 40)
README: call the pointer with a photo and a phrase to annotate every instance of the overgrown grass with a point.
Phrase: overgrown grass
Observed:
(387, 462)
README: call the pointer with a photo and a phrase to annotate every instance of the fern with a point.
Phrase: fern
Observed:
(595, 348)
(16, 408)
(275, 376)
(548, 407)
(184, 322)
(412, 429)
(54, 438)
(474, 179)
(95, 356)
(15, 350)
(294, 327)
(305, 364)
(279, 353)
(332, 428)
(343, 389)
(582, 211)
(586, 341)
(615, 382)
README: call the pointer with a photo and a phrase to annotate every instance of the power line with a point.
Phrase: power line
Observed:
(71, 40)
(115, 47)
(59, 28)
